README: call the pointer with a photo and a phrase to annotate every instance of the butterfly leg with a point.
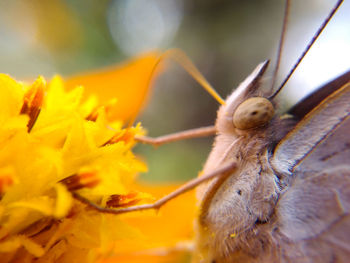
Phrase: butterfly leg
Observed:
(222, 171)
(188, 134)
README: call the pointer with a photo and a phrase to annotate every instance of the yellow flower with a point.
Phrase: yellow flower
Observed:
(55, 142)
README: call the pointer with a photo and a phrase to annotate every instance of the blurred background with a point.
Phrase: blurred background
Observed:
(226, 39)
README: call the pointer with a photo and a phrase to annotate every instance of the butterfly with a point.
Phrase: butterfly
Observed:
(288, 198)
(274, 188)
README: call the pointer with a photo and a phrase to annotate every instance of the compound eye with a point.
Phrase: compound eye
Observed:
(252, 113)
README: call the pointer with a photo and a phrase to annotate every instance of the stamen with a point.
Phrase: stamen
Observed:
(125, 135)
(33, 101)
(82, 180)
(123, 200)
(107, 108)
(93, 115)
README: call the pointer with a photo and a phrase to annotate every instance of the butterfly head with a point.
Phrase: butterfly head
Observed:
(246, 108)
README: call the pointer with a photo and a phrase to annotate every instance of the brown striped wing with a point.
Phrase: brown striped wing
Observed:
(312, 221)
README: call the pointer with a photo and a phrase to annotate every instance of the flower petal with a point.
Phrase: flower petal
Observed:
(64, 201)
(11, 97)
(42, 204)
(128, 83)
(17, 241)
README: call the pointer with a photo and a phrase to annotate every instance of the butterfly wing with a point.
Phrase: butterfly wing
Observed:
(312, 221)
(311, 101)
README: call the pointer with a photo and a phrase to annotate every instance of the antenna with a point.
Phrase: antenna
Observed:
(318, 33)
(181, 58)
(281, 43)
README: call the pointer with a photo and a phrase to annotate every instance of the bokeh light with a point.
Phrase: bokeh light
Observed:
(140, 25)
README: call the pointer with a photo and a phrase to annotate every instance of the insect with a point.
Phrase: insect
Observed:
(274, 189)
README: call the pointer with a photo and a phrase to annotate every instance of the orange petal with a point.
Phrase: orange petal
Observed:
(148, 258)
(166, 236)
(165, 232)
(128, 83)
